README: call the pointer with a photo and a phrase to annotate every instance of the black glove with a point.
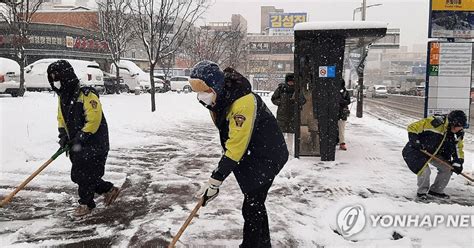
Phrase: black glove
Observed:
(63, 141)
(63, 137)
(457, 165)
(76, 142)
(457, 168)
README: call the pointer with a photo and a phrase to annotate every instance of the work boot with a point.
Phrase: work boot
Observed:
(439, 195)
(422, 196)
(110, 196)
(343, 146)
(82, 210)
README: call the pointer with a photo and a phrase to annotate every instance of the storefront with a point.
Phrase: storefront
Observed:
(57, 41)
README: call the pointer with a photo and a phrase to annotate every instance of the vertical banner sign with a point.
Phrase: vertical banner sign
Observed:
(449, 77)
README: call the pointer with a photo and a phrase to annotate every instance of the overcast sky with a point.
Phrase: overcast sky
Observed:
(411, 16)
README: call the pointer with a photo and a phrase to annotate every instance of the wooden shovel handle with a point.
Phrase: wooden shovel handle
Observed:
(7, 199)
(186, 224)
(446, 164)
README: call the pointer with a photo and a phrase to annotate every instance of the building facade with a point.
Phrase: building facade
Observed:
(269, 59)
(72, 34)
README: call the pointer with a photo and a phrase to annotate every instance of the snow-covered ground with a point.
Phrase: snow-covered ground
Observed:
(162, 158)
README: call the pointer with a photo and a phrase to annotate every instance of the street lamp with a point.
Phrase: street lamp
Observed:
(358, 9)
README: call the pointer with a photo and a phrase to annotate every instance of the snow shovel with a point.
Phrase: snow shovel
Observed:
(7, 199)
(186, 223)
(446, 164)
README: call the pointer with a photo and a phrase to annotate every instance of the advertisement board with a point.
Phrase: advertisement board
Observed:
(286, 20)
(451, 19)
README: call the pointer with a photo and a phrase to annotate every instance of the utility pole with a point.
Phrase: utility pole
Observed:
(364, 9)
(360, 91)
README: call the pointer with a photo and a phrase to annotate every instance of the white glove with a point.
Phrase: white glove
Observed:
(210, 190)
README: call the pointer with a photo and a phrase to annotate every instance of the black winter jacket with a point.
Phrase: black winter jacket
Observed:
(255, 149)
(434, 136)
(344, 102)
(284, 98)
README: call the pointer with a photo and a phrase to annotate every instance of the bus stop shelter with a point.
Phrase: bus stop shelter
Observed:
(321, 52)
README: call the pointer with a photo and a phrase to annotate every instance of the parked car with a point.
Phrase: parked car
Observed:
(160, 76)
(416, 91)
(394, 90)
(379, 91)
(160, 85)
(9, 77)
(420, 90)
(180, 83)
(166, 82)
(134, 77)
(88, 73)
(111, 86)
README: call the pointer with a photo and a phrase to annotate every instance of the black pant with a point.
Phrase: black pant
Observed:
(87, 171)
(256, 230)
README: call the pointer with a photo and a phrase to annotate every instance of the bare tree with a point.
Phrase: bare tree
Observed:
(18, 15)
(162, 26)
(166, 64)
(225, 47)
(115, 22)
(205, 44)
(237, 48)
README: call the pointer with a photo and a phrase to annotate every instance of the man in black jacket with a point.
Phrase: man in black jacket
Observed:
(83, 128)
(255, 150)
(284, 97)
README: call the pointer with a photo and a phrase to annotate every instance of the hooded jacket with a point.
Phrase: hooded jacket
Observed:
(80, 113)
(284, 97)
(434, 135)
(254, 147)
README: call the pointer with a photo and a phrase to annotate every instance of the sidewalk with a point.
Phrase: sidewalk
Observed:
(165, 157)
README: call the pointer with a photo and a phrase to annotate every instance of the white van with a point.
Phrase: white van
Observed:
(88, 73)
(180, 83)
(379, 91)
(9, 77)
(133, 76)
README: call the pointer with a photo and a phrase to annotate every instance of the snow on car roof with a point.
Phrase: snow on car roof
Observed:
(339, 25)
(131, 66)
(9, 65)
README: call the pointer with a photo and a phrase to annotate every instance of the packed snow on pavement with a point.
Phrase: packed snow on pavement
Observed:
(160, 159)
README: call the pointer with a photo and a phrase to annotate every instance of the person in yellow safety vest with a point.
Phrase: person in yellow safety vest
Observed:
(442, 136)
(83, 128)
(255, 150)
